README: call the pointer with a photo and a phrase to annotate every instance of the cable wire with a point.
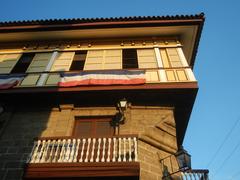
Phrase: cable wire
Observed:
(228, 157)
(223, 142)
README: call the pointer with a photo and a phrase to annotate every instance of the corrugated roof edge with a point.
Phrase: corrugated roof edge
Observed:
(111, 19)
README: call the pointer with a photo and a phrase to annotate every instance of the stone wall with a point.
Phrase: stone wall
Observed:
(155, 127)
(16, 140)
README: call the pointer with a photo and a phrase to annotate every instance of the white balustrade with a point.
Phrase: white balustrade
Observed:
(98, 150)
(76, 153)
(68, 151)
(45, 151)
(39, 156)
(83, 145)
(109, 149)
(129, 149)
(51, 151)
(56, 152)
(114, 150)
(103, 150)
(93, 150)
(61, 158)
(135, 149)
(35, 152)
(124, 150)
(87, 153)
(73, 150)
(120, 149)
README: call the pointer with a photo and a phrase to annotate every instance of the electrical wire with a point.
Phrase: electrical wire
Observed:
(223, 142)
(227, 158)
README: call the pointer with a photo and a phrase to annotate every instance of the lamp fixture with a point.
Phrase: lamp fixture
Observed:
(183, 159)
(120, 116)
(122, 104)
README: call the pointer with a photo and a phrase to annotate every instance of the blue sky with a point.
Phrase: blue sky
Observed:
(216, 108)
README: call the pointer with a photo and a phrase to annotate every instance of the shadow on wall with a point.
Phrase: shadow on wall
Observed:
(17, 135)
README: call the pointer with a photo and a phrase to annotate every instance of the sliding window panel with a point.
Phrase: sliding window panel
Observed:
(164, 57)
(174, 58)
(113, 59)
(30, 80)
(63, 61)
(39, 62)
(7, 62)
(181, 74)
(94, 60)
(52, 79)
(152, 76)
(147, 58)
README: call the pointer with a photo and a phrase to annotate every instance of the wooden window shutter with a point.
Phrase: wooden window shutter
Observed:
(113, 59)
(94, 60)
(39, 62)
(63, 61)
(164, 58)
(7, 62)
(174, 57)
(146, 58)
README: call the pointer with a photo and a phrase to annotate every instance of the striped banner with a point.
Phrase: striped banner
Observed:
(119, 77)
(9, 81)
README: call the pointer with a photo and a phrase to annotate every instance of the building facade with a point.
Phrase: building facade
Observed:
(106, 98)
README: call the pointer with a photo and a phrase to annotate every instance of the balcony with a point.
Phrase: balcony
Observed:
(176, 170)
(67, 157)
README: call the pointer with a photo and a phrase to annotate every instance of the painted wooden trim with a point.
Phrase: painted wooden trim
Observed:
(190, 74)
(88, 48)
(189, 71)
(167, 85)
(161, 73)
(70, 170)
(51, 61)
(182, 56)
(44, 76)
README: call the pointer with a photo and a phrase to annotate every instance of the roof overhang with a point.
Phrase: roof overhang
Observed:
(187, 30)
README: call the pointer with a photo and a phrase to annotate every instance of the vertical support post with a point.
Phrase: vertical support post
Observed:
(161, 72)
(185, 63)
(44, 76)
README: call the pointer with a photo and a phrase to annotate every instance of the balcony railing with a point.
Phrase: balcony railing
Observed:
(171, 171)
(84, 150)
(191, 174)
